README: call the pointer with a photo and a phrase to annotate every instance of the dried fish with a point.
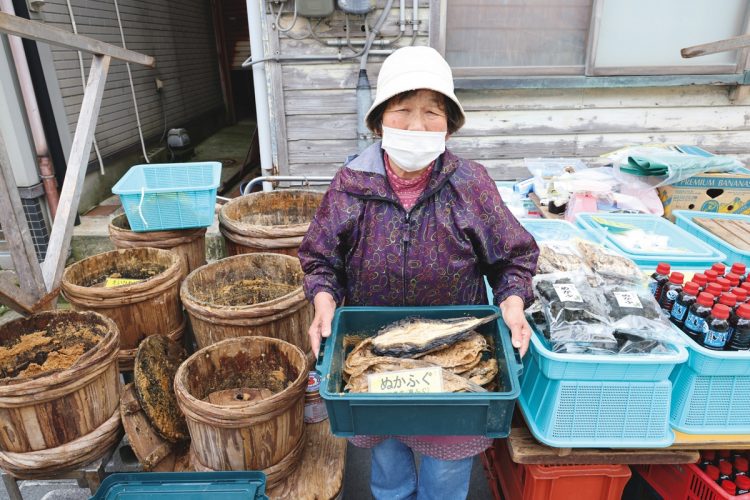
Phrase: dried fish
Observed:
(556, 256)
(483, 373)
(451, 381)
(607, 263)
(412, 336)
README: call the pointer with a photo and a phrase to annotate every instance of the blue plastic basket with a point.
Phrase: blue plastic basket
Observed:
(239, 485)
(699, 254)
(712, 392)
(486, 413)
(618, 368)
(684, 219)
(589, 413)
(158, 197)
(553, 230)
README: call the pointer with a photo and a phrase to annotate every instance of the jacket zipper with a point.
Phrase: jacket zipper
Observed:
(407, 237)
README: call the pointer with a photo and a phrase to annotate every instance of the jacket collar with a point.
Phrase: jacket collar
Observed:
(364, 175)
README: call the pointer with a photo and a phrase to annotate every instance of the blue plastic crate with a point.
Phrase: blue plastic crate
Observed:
(235, 485)
(684, 219)
(618, 368)
(712, 392)
(553, 230)
(698, 253)
(159, 197)
(589, 413)
(487, 413)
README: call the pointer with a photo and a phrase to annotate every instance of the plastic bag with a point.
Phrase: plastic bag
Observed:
(559, 256)
(608, 264)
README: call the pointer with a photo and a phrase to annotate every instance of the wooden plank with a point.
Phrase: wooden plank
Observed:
(15, 297)
(62, 228)
(277, 109)
(734, 43)
(729, 234)
(35, 30)
(17, 233)
(524, 449)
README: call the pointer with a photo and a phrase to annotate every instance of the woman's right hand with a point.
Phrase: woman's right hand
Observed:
(325, 306)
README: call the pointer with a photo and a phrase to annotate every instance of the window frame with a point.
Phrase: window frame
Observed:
(437, 40)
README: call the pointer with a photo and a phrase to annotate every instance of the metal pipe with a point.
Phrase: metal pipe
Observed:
(46, 172)
(402, 16)
(305, 179)
(260, 86)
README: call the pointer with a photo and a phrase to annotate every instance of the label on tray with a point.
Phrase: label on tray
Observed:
(415, 381)
(628, 299)
(567, 292)
(113, 282)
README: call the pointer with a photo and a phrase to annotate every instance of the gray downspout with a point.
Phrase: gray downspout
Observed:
(364, 101)
(263, 116)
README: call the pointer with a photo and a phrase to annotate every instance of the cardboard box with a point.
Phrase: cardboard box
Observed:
(723, 193)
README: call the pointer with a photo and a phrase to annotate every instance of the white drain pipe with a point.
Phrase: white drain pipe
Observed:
(263, 115)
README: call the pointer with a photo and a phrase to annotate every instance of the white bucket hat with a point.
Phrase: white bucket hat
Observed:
(412, 68)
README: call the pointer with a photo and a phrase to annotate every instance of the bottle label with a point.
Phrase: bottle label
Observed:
(628, 299)
(567, 292)
(694, 323)
(679, 311)
(652, 284)
(672, 295)
(713, 338)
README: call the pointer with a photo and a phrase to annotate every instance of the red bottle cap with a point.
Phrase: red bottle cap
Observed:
(691, 288)
(729, 487)
(712, 472)
(725, 453)
(711, 275)
(705, 299)
(744, 311)
(677, 278)
(746, 286)
(720, 311)
(740, 293)
(700, 278)
(734, 279)
(714, 289)
(724, 283)
(663, 268)
(728, 299)
(738, 268)
(719, 268)
(708, 455)
(725, 468)
(741, 464)
(743, 482)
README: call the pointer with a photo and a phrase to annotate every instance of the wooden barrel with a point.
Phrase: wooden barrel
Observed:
(272, 221)
(233, 428)
(286, 317)
(188, 244)
(140, 309)
(57, 420)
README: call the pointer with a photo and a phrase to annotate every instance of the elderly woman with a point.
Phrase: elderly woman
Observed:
(408, 223)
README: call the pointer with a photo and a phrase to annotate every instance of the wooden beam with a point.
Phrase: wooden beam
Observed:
(14, 297)
(16, 230)
(734, 43)
(62, 229)
(35, 30)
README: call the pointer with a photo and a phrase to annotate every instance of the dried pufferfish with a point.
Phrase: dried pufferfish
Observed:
(608, 263)
(553, 259)
(412, 336)
(451, 381)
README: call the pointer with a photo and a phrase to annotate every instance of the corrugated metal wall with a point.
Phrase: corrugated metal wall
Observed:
(318, 104)
(180, 36)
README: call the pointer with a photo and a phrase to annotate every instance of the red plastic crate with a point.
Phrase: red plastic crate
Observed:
(684, 482)
(551, 482)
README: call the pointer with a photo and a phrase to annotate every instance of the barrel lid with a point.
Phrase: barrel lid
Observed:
(313, 381)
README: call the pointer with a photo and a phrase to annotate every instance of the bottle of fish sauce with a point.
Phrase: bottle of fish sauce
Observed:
(734, 280)
(697, 315)
(740, 340)
(743, 485)
(716, 328)
(687, 298)
(741, 295)
(702, 281)
(671, 291)
(720, 268)
(730, 300)
(715, 290)
(740, 270)
(658, 279)
(724, 283)
(711, 275)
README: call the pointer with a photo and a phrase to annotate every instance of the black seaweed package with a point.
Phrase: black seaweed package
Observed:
(623, 301)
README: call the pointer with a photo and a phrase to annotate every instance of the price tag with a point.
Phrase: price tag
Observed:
(113, 282)
(416, 381)
(567, 292)
(628, 299)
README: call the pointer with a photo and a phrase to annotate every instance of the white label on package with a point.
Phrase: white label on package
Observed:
(568, 292)
(414, 381)
(628, 299)
(560, 247)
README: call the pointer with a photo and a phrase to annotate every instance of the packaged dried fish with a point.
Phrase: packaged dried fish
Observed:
(559, 256)
(609, 264)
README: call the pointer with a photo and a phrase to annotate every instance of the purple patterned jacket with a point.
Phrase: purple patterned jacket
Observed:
(364, 248)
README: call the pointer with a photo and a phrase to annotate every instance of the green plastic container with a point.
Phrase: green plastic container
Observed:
(444, 414)
(233, 485)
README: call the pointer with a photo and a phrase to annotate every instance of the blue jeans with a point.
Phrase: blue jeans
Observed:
(394, 475)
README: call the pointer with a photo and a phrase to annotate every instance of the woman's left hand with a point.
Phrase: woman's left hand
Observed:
(514, 317)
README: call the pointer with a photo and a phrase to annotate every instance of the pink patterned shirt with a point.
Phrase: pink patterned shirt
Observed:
(440, 447)
(407, 190)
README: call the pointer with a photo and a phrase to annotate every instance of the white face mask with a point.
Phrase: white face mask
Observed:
(412, 150)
